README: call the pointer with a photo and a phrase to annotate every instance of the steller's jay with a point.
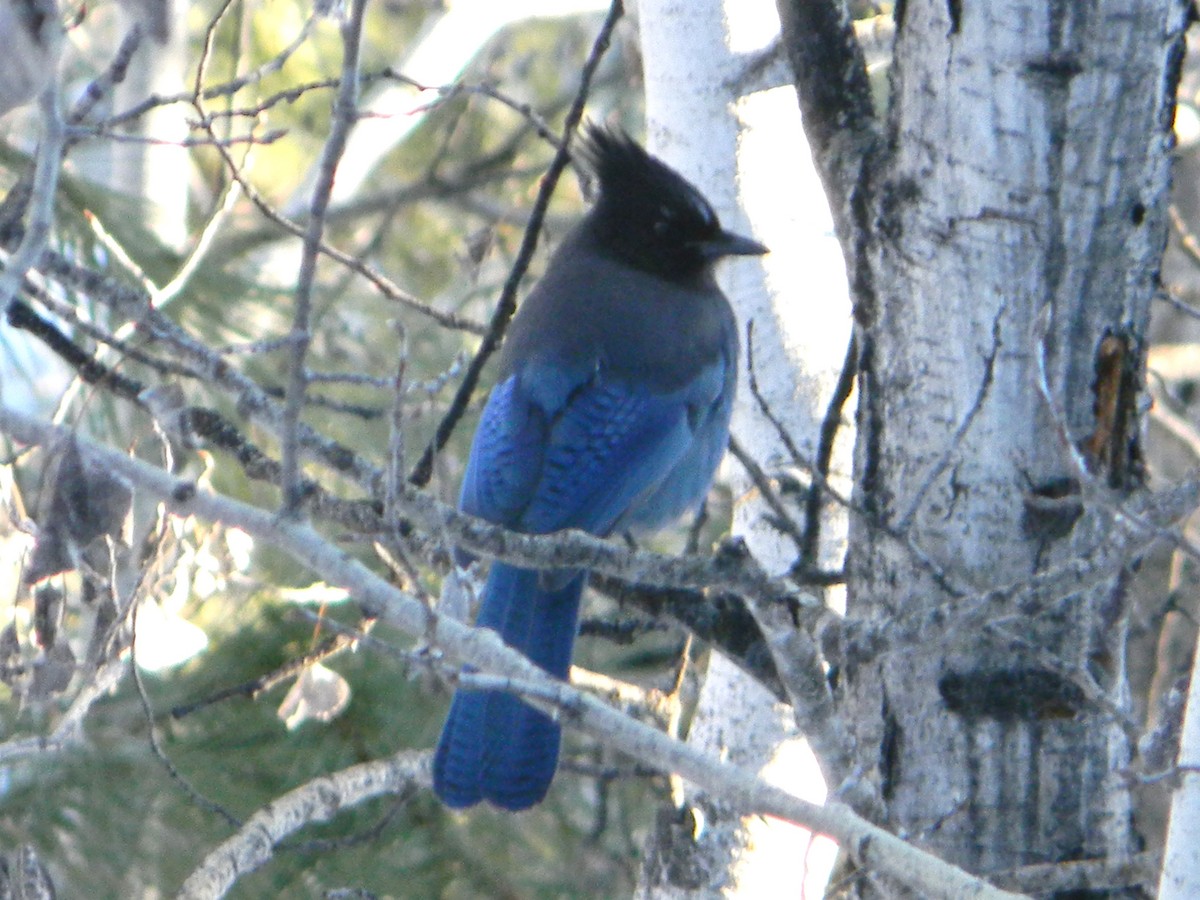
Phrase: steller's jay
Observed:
(610, 412)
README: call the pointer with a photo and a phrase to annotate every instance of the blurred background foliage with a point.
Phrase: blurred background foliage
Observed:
(442, 217)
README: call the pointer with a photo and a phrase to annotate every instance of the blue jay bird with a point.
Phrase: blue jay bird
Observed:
(610, 412)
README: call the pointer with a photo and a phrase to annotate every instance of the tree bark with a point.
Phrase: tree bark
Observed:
(1181, 864)
(710, 108)
(1017, 221)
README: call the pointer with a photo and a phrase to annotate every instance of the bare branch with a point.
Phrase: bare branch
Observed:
(1181, 868)
(830, 425)
(344, 114)
(318, 800)
(45, 187)
(1096, 876)
(70, 727)
(869, 846)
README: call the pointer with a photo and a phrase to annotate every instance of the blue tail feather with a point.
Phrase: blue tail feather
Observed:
(493, 746)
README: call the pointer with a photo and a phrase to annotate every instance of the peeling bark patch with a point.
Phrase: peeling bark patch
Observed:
(673, 858)
(1114, 447)
(1171, 74)
(1008, 695)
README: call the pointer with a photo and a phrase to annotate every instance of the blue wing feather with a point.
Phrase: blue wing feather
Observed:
(686, 484)
(572, 448)
(607, 453)
(506, 457)
(610, 445)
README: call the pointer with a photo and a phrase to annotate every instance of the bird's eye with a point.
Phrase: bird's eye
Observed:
(703, 212)
(665, 221)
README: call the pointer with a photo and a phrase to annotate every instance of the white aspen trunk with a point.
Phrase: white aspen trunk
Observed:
(748, 155)
(1017, 221)
(1181, 863)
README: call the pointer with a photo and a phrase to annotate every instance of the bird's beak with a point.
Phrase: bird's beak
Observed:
(729, 244)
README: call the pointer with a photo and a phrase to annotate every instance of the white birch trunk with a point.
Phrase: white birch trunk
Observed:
(1017, 220)
(1181, 861)
(748, 155)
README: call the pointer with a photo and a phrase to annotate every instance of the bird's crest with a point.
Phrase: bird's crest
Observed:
(626, 171)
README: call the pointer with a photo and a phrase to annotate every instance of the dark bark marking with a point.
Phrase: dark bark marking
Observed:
(1058, 68)
(893, 198)
(954, 10)
(891, 752)
(1008, 695)
(870, 429)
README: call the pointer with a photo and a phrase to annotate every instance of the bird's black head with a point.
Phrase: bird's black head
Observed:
(651, 216)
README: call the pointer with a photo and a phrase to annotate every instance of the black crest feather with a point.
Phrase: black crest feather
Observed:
(625, 169)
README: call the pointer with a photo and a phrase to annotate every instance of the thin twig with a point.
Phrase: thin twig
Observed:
(229, 88)
(173, 288)
(507, 304)
(156, 746)
(252, 400)
(1172, 298)
(327, 649)
(123, 348)
(1187, 238)
(819, 482)
(98, 88)
(78, 133)
(450, 91)
(344, 113)
(384, 285)
(782, 519)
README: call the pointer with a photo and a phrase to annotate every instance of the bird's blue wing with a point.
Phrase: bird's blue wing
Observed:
(506, 456)
(611, 445)
(558, 448)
